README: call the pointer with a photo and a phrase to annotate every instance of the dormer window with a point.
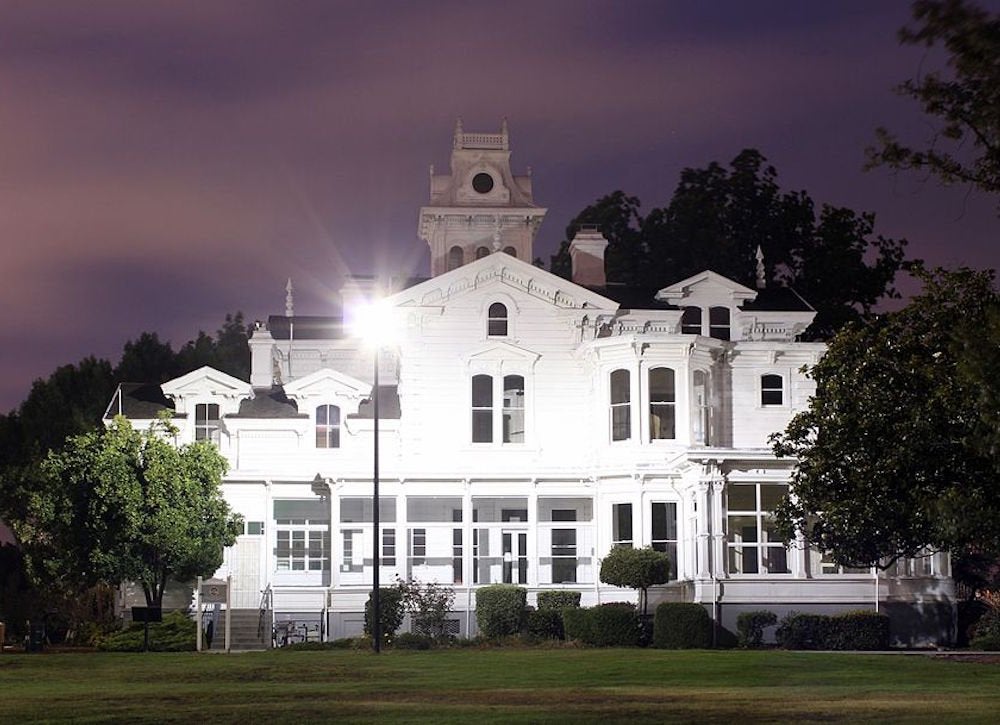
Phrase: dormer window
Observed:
(496, 323)
(482, 252)
(691, 321)
(328, 426)
(206, 422)
(511, 251)
(455, 258)
(718, 323)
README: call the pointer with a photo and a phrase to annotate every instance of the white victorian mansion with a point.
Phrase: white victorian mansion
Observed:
(527, 424)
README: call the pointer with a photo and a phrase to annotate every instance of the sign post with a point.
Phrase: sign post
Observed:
(216, 591)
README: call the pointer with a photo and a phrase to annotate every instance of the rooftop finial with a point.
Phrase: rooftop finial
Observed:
(289, 303)
(503, 125)
(458, 133)
(761, 277)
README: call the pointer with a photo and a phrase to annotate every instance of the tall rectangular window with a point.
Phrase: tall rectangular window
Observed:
(662, 400)
(388, 547)
(663, 518)
(701, 413)
(206, 422)
(418, 546)
(563, 556)
(751, 539)
(328, 426)
(718, 323)
(621, 403)
(482, 409)
(513, 409)
(621, 524)
(456, 556)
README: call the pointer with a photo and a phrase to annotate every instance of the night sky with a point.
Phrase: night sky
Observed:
(164, 163)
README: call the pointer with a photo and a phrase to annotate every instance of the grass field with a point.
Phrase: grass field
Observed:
(499, 685)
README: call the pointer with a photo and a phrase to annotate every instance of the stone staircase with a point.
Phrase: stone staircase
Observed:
(243, 631)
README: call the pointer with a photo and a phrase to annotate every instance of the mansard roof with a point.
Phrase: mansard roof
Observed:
(777, 299)
(138, 401)
(268, 403)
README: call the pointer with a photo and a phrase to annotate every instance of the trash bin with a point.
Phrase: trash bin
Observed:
(36, 637)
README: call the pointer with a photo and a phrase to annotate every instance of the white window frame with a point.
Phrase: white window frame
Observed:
(759, 546)
(498, 374)
(783, 390)
(668, 404)
(211, 429)
(625, 405)
(328, 428)
(618, 540)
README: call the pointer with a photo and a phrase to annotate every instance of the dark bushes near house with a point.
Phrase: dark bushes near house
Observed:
(411, 640)
(857, 630)
(682, 625)
(987, 631)
(751, 626)
(546, 624)
(500, 609)
(577, 624)
(615, 624)
(176, 633)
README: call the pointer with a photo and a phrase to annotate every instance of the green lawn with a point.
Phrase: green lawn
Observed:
(500, 685)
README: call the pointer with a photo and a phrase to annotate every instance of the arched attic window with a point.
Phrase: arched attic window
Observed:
(511, 251)
(496, 321)
(718, 323)
(691, 321)
(482, 252)
(455, 258)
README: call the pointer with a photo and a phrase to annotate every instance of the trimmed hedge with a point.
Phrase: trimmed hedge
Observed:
(751, 626)
(500, 609)
(682, 625)
(176, 633)
(558, 599)
(615, 624)
(546, 624)
(856, 630)
(577, 624)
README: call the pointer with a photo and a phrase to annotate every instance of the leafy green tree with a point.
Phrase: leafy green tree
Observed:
(123, 505)
(717, 218)
(636, 569)
(963, 103)
(887, 456)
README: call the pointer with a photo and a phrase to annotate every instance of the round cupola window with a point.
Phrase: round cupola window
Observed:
(482, 183)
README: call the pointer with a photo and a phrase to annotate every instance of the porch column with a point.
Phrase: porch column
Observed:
(703, 543)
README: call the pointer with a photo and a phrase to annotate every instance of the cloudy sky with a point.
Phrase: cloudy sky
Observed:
(163, 163)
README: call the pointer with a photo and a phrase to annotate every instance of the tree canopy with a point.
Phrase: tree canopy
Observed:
(717, 218)
(890, 459)
(120, 505)
(635, 569)
(962, 103)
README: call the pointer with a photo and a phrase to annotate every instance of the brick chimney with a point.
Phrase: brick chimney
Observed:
(587, 253)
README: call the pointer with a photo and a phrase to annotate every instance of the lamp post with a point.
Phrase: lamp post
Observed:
(376, 549)
(374, 322)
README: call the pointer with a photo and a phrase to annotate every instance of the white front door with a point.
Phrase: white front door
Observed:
(515, 556)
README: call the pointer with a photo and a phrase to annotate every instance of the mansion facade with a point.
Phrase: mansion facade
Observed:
(527, 424)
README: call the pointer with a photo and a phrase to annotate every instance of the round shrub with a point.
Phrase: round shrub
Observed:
(751, 626)
(682, 625)
(558, 599)
(614, 625)
(500, 609)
